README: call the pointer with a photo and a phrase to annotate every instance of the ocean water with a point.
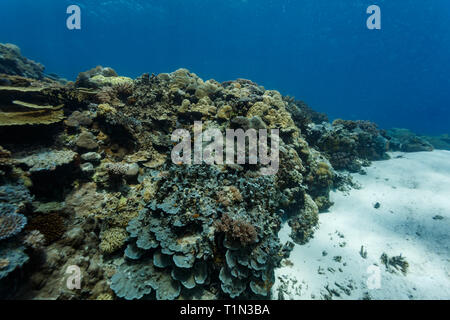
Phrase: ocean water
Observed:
(319, 51)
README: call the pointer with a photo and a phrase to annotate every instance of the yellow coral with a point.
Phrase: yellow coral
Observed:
(323, 170)
(225, 112)
(112, 239)
(105, 296)
(45, 116)
(4, 263)
(272, 110)
(101, 80)
(20, 112)
(150, 189)
(105, 108)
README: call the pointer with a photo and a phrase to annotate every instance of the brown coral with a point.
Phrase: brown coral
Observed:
(51, 225)
(239, 230)
(228, 196)
(86, 140)
(116, 94)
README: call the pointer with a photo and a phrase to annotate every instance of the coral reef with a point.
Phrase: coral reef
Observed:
(11, 257)
(349, 145)
(438, 142)
(406, 141)
(101, 190)
(13, 63)
(209, 227)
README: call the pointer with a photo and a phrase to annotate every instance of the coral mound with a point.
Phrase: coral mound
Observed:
(101, 190)
(13, 63)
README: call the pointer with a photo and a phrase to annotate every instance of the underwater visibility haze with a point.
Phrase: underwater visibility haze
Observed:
(239, 149)
(319, 51)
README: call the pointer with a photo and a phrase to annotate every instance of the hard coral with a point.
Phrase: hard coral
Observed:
(34, 239)
(78, 118)
(12, 256)
(11, 222)
(112, 240)
(84, 79)
(115, 94)
(13, 63)
(51, 225)
(86, 141)
(239, 230)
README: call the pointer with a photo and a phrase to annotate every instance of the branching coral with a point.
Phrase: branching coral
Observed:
(112, 240)
(239, 230)
(393, 264)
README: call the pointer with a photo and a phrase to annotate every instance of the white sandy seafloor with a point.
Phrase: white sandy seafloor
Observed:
(413, 220)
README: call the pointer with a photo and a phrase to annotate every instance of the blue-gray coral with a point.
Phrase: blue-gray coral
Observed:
(12, 256)
(135, 281)
(11, 222)
(48, 160)
(132, 281)
(183, 243)
(16, 194)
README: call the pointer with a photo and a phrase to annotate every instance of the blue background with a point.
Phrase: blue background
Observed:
(319, 51)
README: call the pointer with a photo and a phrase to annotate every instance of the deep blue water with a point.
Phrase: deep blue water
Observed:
(319, 51)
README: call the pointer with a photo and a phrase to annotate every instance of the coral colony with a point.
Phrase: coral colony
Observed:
(98, 175)
(212, 153)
